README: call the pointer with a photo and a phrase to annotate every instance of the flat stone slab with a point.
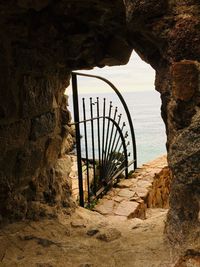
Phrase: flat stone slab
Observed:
(140, 192)
(127, 208)
(130, 197)
(126, 193)
(105, 207)
(144, 184)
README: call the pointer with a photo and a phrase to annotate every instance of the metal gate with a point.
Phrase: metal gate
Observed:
(101, 143)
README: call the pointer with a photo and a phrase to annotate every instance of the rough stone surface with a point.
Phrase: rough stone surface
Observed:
(149, 188)
(191, 258)
(126, 193)
(109, 235)
(166, 34)
(57, 243)
(127, 208)
(124, 184)
(159, 192)
(185, 80)
(105, 207)
(42, 41)
(184, 202)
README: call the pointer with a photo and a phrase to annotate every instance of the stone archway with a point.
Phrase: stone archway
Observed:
(41, 42)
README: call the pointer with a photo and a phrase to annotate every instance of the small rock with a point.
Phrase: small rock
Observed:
(46, 242)
(92, 232)
(78, 224)
(125, 183)
(109, 235)
(136, 226)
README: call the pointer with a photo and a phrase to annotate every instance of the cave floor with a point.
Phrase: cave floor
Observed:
(86, 239)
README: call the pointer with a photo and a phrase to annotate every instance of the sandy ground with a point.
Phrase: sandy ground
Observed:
(87, 239)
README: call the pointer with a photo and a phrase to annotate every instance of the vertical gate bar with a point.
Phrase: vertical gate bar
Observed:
(115, 136)
(103, 137)
(112, 129)
(107, 136)
(112, 167)
(127, 113)
(118, 139)
(78, 140)
(99, 141)
(86, 150)
(123, 144)
(115, 148)
(93, 151)
(125, 160)
(107, 151)
(121, 166)
(111, 140)
(126, 163)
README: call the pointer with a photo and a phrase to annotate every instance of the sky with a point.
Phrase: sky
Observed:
(136, 75)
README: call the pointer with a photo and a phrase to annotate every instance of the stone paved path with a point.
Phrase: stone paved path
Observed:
(131, 197)
(110, 237)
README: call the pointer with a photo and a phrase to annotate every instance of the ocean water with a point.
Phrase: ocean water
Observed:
(144, 107)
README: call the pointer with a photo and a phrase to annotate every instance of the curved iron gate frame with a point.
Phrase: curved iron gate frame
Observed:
(116, 172)
(77, 126)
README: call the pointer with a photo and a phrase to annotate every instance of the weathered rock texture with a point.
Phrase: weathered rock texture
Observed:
(147, 187)
(42, 41)
(166, 34)
(158, 196)
(87, 239)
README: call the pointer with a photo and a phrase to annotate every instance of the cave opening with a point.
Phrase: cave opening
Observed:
(41, 43)
(135, 81)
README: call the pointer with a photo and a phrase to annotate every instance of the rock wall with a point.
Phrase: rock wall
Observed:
(166, 34)
(158, 196)
(42, 41)
(33, 131)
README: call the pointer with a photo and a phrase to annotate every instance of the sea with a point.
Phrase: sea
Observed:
(144, 107)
